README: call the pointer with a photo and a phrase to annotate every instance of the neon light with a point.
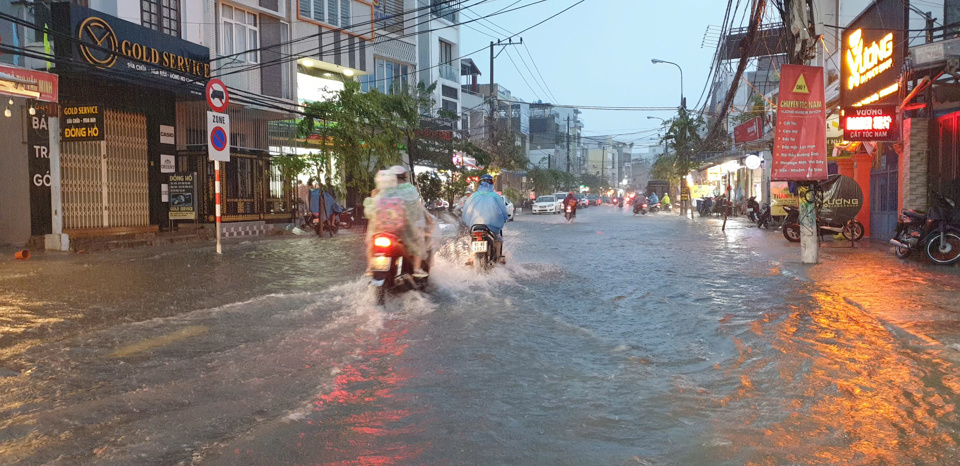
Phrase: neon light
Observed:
(867, 62)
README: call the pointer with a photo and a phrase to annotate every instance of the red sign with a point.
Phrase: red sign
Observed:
(870, 123)
(28, 83)
(749, 131)
(800, 145)
(217, 96)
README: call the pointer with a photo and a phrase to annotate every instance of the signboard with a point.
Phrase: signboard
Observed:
(167, 135)
(870, 123)
(38, 154)
(842, 198)
(749, 131)
(167, 163)
(82, 123)
(126, 51)
(781, 196)
(182, 192)
(218, 98)
(872, 54)
(800, 142)
(218, 136)
(28, 83)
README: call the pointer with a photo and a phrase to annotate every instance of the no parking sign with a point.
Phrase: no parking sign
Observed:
(218, 136)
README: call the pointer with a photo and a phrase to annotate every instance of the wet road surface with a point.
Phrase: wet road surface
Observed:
(613, 340)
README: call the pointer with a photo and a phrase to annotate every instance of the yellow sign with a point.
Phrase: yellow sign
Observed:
(714, 173)
(865, 62)
(100, 46)
(801, 86)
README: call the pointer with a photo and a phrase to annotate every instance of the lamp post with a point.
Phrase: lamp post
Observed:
(683, 102)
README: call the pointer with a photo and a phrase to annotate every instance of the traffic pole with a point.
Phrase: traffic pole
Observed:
(216, 187)
(809, 234)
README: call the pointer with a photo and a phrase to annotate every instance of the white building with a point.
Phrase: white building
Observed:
(438, 52)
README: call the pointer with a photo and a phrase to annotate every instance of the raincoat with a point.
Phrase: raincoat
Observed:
(415, 222)
(653, 199)
(666, 199)
(485, 207)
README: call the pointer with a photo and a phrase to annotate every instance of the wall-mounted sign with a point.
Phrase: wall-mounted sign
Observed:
(842, 198)
(167, 163)
(749, 131)
(872, 54)
(127, 50)
(753, 161)
(870, 123)
(167, 135)
(182, 192)
(28, 83)
(800, 142)
(82, 123)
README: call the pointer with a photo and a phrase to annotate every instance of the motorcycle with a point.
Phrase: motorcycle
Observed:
(705, 206)
(852, 230)
(764, 218)
(571, 213)
(392, 267)
(483, 246)
(654, 208)
(753, 209)
(935, 232)
(345, 219)
(640, 208)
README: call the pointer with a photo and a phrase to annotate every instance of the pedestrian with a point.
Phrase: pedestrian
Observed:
(303, 195)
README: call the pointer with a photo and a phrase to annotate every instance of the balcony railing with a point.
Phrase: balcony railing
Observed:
(449, 73)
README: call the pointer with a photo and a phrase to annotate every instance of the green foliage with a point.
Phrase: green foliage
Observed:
(548, 181)
(514, 195)
(684, 138)
(664, 169)
(596, 183)
(431, 187)
(753, 109)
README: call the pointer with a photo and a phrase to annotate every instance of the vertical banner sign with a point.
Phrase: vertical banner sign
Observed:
(38, 148)
(800, 145)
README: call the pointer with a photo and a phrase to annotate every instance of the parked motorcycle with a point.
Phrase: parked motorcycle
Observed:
(571, 213)
(345, 219)
(392, 267)
(753, 209)
(764, 218)
(851, 230)
(705, 207)
(935, 232)
(483, 246)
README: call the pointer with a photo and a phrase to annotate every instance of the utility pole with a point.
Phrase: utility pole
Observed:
(493, 90)
(603, 159)
(568, 143)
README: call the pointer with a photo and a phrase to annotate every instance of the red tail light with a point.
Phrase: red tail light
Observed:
(643, 205)
(478, 236)
(382, 242)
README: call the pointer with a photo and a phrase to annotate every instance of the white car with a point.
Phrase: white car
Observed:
(510, 209)
(548, 205)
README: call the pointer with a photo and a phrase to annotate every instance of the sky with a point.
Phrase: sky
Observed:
(599, 53)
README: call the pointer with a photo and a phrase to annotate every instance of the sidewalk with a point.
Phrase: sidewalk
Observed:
(910, 298)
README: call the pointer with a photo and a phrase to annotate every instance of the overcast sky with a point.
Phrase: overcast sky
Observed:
(599, 52)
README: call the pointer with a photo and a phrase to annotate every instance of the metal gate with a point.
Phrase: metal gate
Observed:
(884, 198)
(105, 182)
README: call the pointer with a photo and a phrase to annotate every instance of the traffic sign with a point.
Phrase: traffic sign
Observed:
(218, 136)
(217, 95)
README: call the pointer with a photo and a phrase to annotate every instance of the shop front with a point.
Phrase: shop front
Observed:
(120, 84)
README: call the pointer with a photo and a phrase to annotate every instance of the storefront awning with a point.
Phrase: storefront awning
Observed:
(21, 82)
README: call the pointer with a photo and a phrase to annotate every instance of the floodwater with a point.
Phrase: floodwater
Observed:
(613, 340)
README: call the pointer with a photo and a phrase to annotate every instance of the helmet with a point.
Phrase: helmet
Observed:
(486, 179)
(400, 172)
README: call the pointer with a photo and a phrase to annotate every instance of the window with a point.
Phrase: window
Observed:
(446, 9)
(446, 52)
(389, 16)
(240, 33)
(389, 77)
(449, 105)
(332, 12)
(161, 15)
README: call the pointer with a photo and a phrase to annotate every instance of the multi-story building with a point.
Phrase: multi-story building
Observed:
(438, 52)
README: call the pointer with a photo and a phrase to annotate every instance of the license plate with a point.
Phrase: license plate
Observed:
(478, 246)
(750, 210)
(380, 264)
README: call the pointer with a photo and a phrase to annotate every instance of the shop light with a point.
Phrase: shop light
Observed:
(730, 166)
(348, 72)
(308, 63)
(7, 113)
(32, 111)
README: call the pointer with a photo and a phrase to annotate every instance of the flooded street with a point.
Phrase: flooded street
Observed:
(613, 340)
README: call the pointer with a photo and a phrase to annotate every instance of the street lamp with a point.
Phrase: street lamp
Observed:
(683, 102)
(657, 118)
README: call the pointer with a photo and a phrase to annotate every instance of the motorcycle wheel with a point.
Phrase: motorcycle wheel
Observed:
(346, 224)
(480, 262)
(901, 252)
(852, 231)
(791, 232)
(949, 253)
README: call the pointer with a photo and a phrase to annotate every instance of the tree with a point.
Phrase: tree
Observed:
(684, 138)
(514, 195)
(594, 182)
(503, 148)
(755, 107)
(430, 186)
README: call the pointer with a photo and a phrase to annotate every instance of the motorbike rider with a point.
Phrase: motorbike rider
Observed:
(665, 200)
(640, 199)
(486, 207)
(384, 180)
(572, 202)
(397, 208)
(653, 198)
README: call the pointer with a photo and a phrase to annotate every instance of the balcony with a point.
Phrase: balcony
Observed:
(449, 72)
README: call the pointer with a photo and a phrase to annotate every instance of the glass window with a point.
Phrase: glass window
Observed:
(389, 76)
(161, 15)
(240, 34)
(332, 12)
(446, 52)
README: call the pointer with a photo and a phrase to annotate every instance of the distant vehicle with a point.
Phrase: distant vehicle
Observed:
(657, 186)
(548, 205)
(510, 209)
(441, 204)
(593, 199)
(582, 198)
